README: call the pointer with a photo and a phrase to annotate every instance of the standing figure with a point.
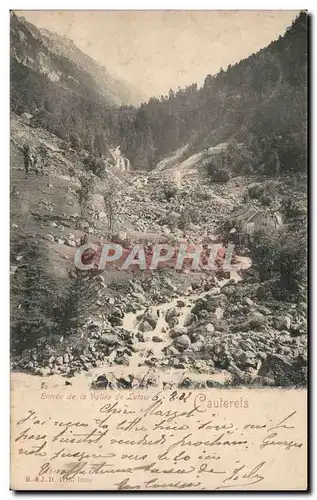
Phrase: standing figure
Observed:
(43, 162)
(33, 157)
(27, 159)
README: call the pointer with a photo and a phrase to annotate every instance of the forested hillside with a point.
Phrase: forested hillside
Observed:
(260, 101)
(60, 85)
(261, 97)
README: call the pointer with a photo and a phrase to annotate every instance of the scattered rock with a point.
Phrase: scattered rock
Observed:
(102, 382)
(171, 314)
(156, 338)
(219, 312)
(283, 323)
(110, 339)
(170, 351)
(173, 322)
(70, 243)
(210, 329)
(189, 320)
(182, 342)
(151, 319)
(145, 326)
(249, 302)
(66, 358)
(115, 320)
(275, 365)
(177, 331)
(180, 303)
(122, 360)
(44, 372)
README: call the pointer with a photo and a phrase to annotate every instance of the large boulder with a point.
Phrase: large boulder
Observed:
(177, 331)
(145, 326)
(255, 321)
(151, 319)
(173, 322)
(247, 358)
(115, 320)
(110, 339)
(276, 365)
(102, 382)
(181, 303)
(210, 329)
(217, 300)
(197, 346)
(171, 314)
(182, 342)
(283, 323)
(189, 320)
(200, 305)
(203, 314)
(256, 317)
(219, 313)
(122, 360)
(170, 351)
(156, 338)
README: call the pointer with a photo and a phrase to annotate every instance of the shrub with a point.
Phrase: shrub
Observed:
(255, 191)
(170, 191)
(75, 300)
(297, 378)
(293, 208)
(266, 200)
(218, 175)
(84, 193)
(264, 192)
(41, 306)
(218, 167)
(31, 294)
(72, 171)
(281, 257)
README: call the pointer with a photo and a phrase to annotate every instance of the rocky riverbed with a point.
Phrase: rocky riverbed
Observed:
(153, 328)
(221, 334)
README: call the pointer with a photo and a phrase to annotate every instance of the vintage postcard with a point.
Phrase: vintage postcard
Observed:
(158, 228)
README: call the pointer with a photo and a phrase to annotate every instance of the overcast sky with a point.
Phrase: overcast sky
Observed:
(159, 50)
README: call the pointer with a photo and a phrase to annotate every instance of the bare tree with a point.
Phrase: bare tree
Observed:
(84, 193)
(111, 201)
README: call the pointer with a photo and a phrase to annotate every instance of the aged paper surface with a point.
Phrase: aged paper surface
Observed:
(158, 187)
(173, 440)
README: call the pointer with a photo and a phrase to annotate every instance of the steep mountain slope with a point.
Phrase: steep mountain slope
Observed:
(261, 98)
(117, 90)
(60, 86)
(58, 58)
(260, 101)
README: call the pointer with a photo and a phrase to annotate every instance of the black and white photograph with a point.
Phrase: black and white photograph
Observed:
(158, 241)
